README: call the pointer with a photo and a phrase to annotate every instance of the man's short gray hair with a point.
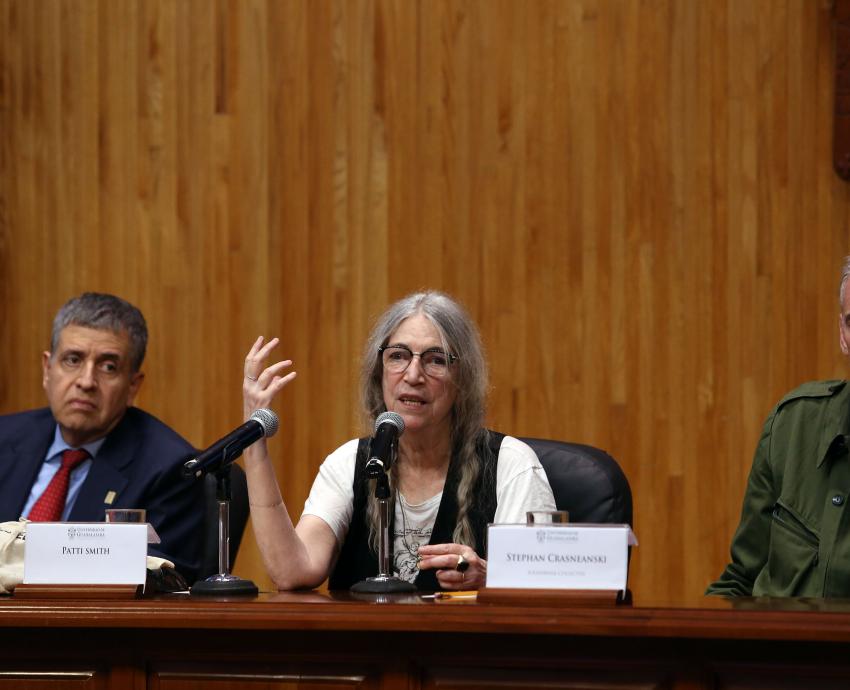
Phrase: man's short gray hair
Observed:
(104, 312)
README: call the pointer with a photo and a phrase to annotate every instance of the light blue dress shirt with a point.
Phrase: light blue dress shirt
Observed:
(52, 463)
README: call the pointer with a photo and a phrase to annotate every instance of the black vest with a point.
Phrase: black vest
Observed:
(357, 560)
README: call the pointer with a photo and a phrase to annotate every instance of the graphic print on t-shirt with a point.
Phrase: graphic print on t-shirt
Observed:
(413, 527)
(407, 562)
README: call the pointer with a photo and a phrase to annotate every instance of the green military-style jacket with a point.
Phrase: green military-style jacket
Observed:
(794, 536)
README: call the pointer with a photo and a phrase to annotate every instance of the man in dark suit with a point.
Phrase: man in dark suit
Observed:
(91, 450)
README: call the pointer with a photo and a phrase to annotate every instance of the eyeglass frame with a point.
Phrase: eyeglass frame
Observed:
(452, 358)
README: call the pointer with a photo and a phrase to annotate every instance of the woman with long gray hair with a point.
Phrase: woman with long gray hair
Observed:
(424, 362)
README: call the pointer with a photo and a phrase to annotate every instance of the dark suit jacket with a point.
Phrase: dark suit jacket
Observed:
(140, 461)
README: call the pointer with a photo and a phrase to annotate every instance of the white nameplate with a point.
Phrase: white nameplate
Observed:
(87, 553)
(579, 556)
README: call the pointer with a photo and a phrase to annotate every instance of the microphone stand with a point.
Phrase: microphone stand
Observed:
(224, 584)
(384, 582)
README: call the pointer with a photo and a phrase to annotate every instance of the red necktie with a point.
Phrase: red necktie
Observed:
(49, 506)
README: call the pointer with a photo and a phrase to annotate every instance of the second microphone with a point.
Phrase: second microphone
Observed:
(262, 423)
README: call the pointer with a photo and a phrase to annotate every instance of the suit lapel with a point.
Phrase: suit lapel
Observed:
(107, 473)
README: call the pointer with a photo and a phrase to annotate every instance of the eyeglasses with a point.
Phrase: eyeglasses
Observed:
(435, 362)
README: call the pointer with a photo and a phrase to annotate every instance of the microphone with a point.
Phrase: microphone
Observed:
(263, 422)
(388, 427)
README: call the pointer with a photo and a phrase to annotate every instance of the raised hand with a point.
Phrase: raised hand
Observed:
(261, 383)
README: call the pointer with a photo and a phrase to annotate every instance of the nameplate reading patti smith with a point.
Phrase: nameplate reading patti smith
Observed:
(558, 556)
(85, 553)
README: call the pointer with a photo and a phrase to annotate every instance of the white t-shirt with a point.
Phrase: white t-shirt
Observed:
(521, 485)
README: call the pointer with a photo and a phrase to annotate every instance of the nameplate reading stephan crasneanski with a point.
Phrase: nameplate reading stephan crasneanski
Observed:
(558, 556)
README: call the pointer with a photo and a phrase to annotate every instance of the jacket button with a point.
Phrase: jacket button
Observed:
(838, 500)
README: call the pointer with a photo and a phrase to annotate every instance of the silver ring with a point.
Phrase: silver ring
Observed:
(251, 378)
(462, 564)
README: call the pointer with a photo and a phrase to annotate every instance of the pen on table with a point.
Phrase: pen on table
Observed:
(461, 594)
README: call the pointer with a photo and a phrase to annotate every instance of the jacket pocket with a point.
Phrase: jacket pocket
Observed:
(793, 555)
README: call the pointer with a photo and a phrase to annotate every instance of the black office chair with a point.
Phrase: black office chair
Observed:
(239, 512)
(587, 482)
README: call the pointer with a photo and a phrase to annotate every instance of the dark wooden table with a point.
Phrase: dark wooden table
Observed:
(325, 641)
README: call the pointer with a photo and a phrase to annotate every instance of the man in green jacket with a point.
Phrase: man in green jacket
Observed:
(794, 537)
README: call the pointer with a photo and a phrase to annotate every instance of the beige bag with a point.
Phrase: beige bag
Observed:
(12, 541)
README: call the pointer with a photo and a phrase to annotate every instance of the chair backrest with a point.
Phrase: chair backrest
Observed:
(239, 512)
(587, 482)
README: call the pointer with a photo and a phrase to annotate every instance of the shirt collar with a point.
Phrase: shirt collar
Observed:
(59, 444)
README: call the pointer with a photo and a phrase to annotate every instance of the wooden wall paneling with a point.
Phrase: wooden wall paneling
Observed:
(617, 133)
(7, 196)
(396, 38)
(527, 382)
(179, 43)
(431, 229)
(722, 383)
(455, 97)
(686, 359)
(170, 304)
(517, 312)
(363, 159)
